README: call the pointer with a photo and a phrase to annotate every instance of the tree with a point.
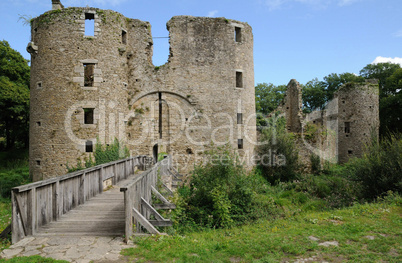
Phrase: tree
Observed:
(14, 96)
(314, 95)
(317, 93)
(390, 84)
(268, 97)
(333, 82)
(380, 71)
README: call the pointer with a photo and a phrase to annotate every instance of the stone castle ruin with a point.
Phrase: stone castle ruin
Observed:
(102, 85)
(342, 129)
(96, 82)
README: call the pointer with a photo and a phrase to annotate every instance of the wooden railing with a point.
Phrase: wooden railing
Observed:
(138, 200)
(36, 204)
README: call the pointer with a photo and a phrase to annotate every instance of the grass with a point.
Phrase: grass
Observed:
(5, 220)
(32, 259)
(287, 238)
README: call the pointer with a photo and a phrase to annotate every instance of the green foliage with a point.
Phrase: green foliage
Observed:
(379, 170)
(103, 154)
(268, 97)
(107, 153)
(218, 193)
(286, 238)
(390, 79)
(317, 93)
(14, 97)
(14, 171)
(278, 153)
(32, 259)
(314, 95)
(315, 163)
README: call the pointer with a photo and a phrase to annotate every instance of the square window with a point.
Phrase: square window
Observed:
(239, 79)
(88, 116)
(38, 123)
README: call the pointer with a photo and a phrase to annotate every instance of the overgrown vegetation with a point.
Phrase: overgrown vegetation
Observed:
(102, 154)
(279, 158)
(380, 168)
(218, 193)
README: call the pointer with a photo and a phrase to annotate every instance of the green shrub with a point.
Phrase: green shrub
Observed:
(379, 170)
(13, 178)
(218, 193)
(279, 157)
(315, 163)
(336, 191)
(103, 154)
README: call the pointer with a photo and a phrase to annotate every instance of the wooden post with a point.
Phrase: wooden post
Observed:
(128, 215)
(15, 230)
(57, 201)
(101, 180)
(114, 179)
(31, 212)
(81, 190)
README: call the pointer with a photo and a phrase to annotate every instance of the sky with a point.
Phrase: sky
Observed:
(293, 39)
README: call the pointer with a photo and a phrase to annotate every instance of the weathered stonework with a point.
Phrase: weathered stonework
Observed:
(343, 128)
(105, 86)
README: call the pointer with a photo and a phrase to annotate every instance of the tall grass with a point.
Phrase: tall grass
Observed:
(380, 168)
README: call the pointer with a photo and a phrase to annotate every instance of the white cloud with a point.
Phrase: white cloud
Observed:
(394, 60)
(347, 2)
(212, 13)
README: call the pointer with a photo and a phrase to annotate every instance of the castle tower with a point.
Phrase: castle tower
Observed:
(92, 78)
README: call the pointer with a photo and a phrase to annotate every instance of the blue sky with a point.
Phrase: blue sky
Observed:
(300, 39)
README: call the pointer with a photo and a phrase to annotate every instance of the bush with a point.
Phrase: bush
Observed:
(218, 193)
(337, 191)
(13, 178)
(379, 170)
(279, 157)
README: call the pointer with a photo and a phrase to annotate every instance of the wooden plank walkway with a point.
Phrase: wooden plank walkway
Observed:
(102, 215)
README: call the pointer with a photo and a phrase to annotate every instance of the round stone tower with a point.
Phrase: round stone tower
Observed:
(92, 79)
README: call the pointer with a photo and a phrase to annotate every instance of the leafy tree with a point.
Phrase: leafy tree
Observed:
(14, 96)
(390, 84)
(380, 71)
(268, 97)
(333, 82)
(314, 95)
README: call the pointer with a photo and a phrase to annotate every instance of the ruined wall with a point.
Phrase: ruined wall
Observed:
(346, 124)
(105, 86)
(358, 118)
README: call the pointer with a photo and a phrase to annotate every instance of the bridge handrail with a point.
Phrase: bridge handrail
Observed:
(27, 187)
(38, 203)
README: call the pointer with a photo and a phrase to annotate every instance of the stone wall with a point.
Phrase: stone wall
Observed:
(104, 86)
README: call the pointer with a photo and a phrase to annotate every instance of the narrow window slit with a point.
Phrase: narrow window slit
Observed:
(239, 79)
(237, 34)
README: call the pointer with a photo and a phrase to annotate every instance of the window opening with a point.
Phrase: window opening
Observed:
(240, 143)
(347, 127)
(89, 146)
(88, 74)
(239, 118)
(88, 116)
(239, 79)
(124, 37)
(89, 24)
(237, 34)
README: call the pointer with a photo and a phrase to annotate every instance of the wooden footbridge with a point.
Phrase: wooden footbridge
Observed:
(112, 199)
